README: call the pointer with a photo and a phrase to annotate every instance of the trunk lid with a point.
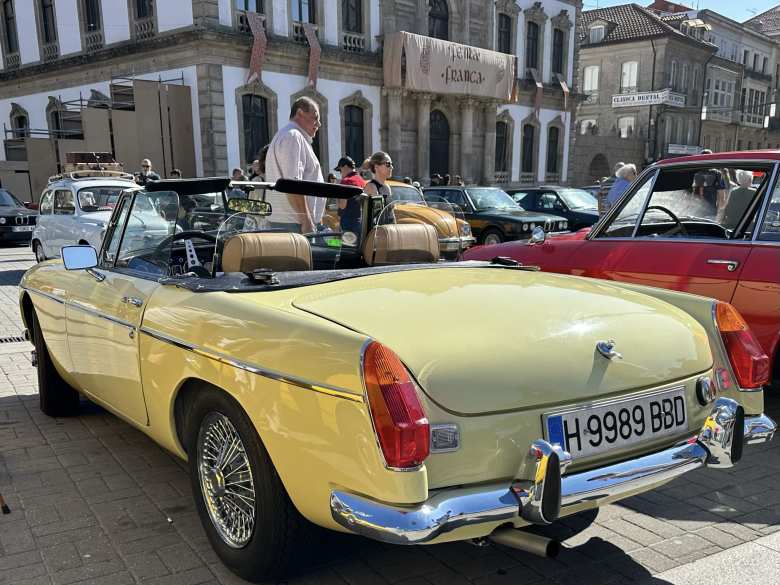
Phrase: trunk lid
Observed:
(481, 340)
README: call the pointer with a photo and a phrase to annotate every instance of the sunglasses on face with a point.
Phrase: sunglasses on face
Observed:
(388, 164)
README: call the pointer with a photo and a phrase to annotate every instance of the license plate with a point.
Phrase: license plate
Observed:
(22, 228)
(617, 424)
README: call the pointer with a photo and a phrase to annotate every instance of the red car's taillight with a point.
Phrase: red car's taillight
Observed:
(398, 415)
(748, 360)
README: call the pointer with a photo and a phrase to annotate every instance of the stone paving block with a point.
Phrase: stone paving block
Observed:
(88, 571)
(719, 537)
(518, 575)
(485, 565)
(677, 548)
(398, 563)
(18, 574)
(632, 531)
(191, 577)
(63, 526)
(145, 565)
(765, 521)
(73, 535)
(178, 558)
(357, 572)
(61, 557)
(653, 560)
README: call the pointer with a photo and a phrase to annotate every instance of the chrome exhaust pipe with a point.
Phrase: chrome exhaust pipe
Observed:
(526, 541)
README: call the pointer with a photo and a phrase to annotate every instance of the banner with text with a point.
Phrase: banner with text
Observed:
(649, 98)
(442, 67)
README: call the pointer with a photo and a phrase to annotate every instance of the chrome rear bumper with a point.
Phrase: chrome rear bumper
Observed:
(449, 510)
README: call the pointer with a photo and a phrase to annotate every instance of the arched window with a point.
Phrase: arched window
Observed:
(9, 27)
(256, 133)
(557, 54)
(553, 136)
(440, 143)
(529, 135)
(502, 147)
(352, 16)
(303, 11)
(354, 132)
(55, 123)
(20, 125)
(439, 19)
(532, 46)
(505, 33)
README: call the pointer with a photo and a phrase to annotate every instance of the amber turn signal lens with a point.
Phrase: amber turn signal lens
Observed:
(729, 319)
(747, 358)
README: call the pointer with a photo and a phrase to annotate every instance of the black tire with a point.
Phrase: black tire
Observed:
(490, 234)
(278, 526)
(57, 398)
(38, 251)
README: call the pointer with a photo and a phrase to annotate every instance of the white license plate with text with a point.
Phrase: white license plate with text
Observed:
(22, 228)
(591, 430)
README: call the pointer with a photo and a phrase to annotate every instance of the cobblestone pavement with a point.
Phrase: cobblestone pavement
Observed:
(96, 502)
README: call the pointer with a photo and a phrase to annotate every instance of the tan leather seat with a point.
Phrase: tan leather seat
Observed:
(275, 251)
(401, 244)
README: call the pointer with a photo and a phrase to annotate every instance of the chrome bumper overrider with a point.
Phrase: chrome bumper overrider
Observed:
(719, 444)
(456, 244)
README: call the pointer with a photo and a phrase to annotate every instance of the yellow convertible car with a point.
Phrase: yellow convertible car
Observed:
(374, 389)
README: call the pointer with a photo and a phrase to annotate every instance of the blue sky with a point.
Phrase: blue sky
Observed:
(739, 11)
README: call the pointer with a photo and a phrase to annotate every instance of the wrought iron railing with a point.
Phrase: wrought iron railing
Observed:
(552, 178)
(50, 51)
(93, 41)
(144, 28)
(502, 177)
(527, 178)
(12, 61)
(353, 42)
(628, 89)
(298, 34)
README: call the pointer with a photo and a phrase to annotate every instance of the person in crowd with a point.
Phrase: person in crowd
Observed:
(436, 180)
(349, 209)
(459, 181)
(331, 178)
(738, 200)
(237, 175)
(712, 187)
(175, 174)
(365, 170)
(238, 192)
(382, 169)
(290, 156)
(625, 176)
(257, 171)
(447, 180)
(606, 184)
(146, 174)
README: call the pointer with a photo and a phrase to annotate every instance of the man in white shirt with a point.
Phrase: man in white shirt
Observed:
(290, 156)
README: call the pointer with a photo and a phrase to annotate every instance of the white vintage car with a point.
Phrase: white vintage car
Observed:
(75, 209)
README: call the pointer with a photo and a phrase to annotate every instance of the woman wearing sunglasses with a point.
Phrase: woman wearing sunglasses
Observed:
(382, 167)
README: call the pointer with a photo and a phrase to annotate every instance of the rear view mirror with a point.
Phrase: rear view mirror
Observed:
(253, 206)
(537, 236)
(79, 257)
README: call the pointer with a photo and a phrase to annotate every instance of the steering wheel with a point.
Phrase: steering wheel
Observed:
(678, 224)
(186, 235)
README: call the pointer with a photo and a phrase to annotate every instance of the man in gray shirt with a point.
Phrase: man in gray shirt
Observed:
(290, 156)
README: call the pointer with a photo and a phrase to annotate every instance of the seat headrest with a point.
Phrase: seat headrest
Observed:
(276, 251)
(401, 244)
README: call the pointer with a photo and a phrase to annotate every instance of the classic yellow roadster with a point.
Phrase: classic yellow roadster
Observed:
(367, 387)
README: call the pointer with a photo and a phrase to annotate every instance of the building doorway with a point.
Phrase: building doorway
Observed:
(440, 143)
(599, 167)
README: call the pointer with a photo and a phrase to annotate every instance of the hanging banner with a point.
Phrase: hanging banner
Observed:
(649, 98)
(442, 67)
(257, 26)
(315, 51)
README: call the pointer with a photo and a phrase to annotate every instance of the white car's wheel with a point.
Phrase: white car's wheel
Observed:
(38, 251)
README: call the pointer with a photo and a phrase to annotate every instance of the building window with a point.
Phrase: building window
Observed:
(439, 143)
(55, 123)
(92, 15)
(588, 126)
(505, 33)
(553, 138)
(527, 164)
(532, 46)
(745, 57)
(597, 33)
(352, 16)
(354, 132)
(48, 22)
(439, 19)
(755, 61)
(674, 75)
(144, 8)
(591, 76)
(628, 76)
(626, 126)
(557, 51)
(684, 78)
(20, 125)
(250, 6)
(303, 11)
(9, 25)
(502, 147)
(256, 132)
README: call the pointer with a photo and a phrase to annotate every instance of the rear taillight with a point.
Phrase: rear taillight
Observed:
(748, 360)
(398, 415)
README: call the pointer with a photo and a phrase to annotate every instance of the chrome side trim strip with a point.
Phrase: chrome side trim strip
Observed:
(49, 296)
(254, 368)
(100, 315)
(450, 509)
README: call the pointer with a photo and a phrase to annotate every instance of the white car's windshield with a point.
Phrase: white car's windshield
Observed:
(101, 198)
(490, 198)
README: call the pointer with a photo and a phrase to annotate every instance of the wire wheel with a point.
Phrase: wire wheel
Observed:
(226, 480)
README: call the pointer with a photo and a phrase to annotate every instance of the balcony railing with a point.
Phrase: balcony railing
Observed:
(12, 61)
(144, 28)
(628, 89)
(242, 22)
(757, 75)
(93, 41)
(591, 97)
(353, 42)
(552, 178)
(298, 34)
(50, 51)
(527, 178)
(502, 177)
(15, 150)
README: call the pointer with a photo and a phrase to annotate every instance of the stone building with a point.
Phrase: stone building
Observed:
(170, 79)
(643, 81)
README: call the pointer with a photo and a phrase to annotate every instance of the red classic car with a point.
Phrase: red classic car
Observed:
(705, 224)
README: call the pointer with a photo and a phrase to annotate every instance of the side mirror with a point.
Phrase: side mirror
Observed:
(253, 206)
(79, 257)
(537, 236)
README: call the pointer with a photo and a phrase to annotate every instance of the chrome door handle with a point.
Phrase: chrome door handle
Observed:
(731, 265)
(133, 301)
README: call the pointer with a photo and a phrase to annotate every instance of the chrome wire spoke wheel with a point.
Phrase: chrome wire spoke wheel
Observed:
(226, 480)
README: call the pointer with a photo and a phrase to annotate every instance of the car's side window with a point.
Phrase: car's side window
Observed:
(622, 225)
(770, 227)
(46, 204)
(63, 202)
(547, 201)
(147, 238)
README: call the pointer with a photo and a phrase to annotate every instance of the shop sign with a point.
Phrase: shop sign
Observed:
(683, 149)
(649, 98)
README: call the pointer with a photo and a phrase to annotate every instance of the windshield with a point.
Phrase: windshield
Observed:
(578, 199)
(490, 198)
(99, 198)
(406, 193)
(8, 200)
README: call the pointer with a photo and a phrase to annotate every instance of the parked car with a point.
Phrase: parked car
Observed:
(579, 207)
(16, 221)
(707, 224)
(384, 399)
(493, 215)
(75, 208)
